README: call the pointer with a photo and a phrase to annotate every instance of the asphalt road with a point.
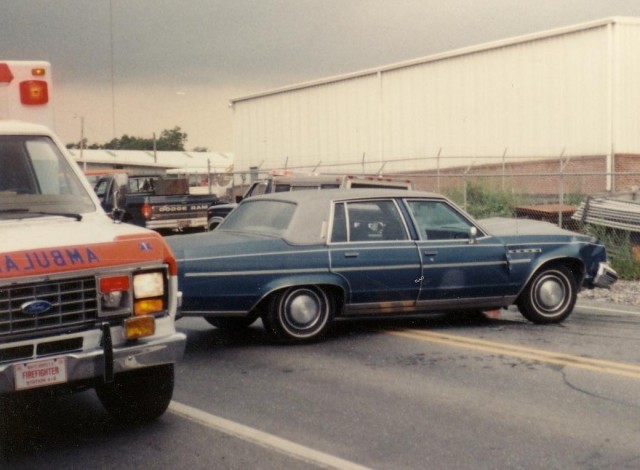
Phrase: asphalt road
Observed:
(484, 393)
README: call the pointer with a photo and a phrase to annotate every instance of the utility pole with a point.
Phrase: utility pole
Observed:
(84, 163)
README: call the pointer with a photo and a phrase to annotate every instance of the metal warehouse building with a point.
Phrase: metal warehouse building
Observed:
(569, 95)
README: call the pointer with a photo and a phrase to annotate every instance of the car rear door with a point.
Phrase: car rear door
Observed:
(371, 248)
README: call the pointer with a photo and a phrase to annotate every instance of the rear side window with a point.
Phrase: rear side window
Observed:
(367, 221)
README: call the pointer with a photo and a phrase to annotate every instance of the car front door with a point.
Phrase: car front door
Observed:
(460, 268)
(371, 248)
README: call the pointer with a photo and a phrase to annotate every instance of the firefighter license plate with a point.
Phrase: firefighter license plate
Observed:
(40, 373)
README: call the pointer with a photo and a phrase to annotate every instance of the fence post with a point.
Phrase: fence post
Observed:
(438, 170)
(504, 155)
(464, 180)
(563, 165)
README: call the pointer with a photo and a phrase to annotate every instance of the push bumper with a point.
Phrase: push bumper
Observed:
(105, 360)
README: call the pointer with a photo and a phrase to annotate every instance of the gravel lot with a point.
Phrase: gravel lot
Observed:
(622, 292)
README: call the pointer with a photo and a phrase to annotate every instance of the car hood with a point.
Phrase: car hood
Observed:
(505, 227)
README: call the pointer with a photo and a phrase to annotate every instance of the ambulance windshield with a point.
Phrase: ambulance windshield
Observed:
(34, 175)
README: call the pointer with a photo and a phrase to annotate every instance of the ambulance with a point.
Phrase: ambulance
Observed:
(85, 302)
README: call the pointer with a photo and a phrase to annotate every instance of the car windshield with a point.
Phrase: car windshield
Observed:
(262, 216)
(36, 179)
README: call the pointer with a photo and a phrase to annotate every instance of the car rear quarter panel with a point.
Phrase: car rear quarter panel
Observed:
(235, 282)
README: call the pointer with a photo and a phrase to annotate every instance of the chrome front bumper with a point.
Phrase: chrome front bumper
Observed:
(605, 277)
(101, 361)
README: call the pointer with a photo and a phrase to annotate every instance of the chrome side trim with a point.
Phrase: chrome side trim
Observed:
(424, 306)
(261, 272)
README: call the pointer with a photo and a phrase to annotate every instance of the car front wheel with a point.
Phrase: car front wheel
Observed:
(299, 314)
(550, 296)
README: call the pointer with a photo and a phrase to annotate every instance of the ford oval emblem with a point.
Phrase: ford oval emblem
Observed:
(36, 307)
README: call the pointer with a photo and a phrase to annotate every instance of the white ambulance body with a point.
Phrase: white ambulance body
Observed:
(85, 302)
(25, 91)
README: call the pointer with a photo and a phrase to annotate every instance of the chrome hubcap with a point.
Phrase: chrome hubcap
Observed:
(303, 310)
(551, 294)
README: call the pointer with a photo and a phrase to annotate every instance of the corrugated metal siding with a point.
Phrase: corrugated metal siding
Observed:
(331, 123)
(627, 98)
(548, 95)
(532, 99)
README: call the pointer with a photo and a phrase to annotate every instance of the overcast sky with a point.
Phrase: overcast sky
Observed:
(166, 63)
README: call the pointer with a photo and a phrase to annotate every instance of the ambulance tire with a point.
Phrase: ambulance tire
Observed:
(230, 323)
(138, 396)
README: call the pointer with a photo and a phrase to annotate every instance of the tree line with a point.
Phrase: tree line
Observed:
(169, 139)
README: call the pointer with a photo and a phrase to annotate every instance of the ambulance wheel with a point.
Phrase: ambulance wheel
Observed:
(138, 396)
(230, 323)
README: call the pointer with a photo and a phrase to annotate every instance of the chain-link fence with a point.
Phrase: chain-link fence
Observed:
(579, 194)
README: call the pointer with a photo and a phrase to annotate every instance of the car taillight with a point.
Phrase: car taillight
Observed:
(147, 211)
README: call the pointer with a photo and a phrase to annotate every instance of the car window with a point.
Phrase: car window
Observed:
(437, 220)
(262, 216)
(360, 221)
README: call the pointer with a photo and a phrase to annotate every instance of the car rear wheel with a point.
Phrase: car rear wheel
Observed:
(550, 295)
(299, 314)
(213, 223)
(230, 323)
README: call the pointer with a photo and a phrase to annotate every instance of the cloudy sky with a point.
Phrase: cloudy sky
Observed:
(140, 66)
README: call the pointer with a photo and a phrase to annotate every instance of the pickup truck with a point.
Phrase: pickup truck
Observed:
(156, 202)
(281, 183)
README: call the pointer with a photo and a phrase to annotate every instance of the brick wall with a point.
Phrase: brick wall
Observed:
(581, 175)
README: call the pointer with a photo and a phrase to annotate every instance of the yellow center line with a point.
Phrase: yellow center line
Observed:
(523, 352)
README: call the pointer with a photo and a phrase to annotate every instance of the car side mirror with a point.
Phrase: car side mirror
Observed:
(473, 235)
(117, 211)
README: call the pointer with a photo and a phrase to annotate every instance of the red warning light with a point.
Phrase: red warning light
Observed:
(34, 92)
(5, 74)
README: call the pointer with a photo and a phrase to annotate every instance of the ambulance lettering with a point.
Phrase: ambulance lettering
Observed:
(45, 259)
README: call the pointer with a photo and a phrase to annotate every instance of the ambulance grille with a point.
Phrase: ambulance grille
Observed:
(31, 308)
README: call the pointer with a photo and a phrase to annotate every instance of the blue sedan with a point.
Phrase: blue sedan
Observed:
(298, 260)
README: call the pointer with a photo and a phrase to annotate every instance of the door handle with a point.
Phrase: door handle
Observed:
(430, 252)
(351, 254)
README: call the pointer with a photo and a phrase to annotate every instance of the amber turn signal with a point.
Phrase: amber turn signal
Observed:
(139, 327)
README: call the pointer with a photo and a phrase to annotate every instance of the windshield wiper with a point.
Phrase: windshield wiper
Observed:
(71, 215)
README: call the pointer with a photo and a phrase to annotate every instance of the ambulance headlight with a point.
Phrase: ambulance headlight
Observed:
(149, 293)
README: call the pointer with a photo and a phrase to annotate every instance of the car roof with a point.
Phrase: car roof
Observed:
(328, 195)
(311, 219)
